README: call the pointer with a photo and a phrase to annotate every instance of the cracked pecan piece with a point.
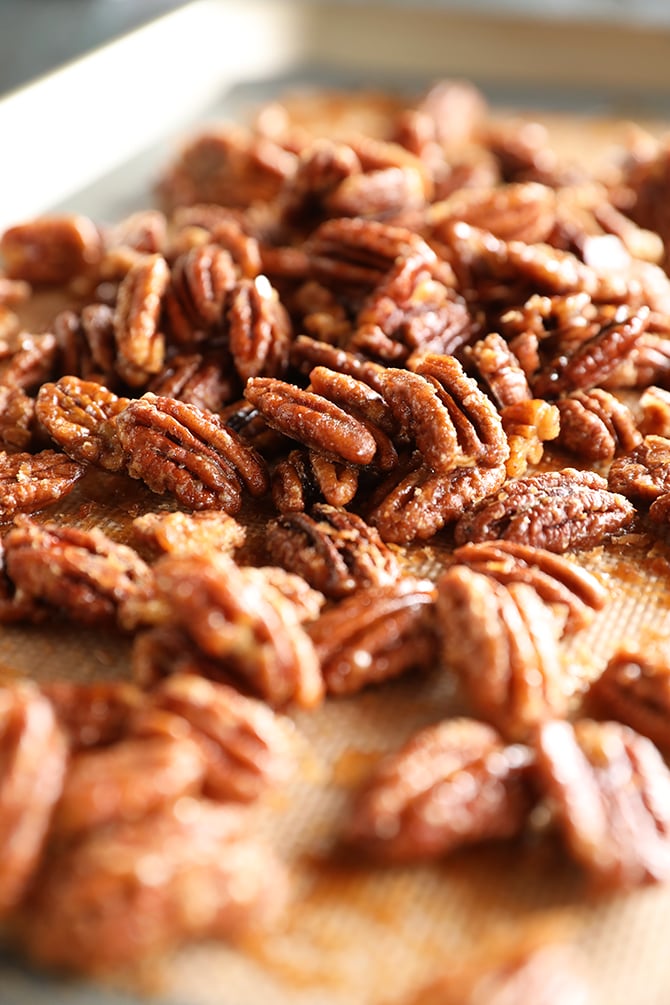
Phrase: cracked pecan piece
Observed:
(312, 419)
(643, 474)
(76, 414)
(595, 425)
(499, 369)
(51, 249)
(336, 551)
(135, 890)
(242, 743)
(557, 580)
(178, 533)
(175, 447)
(501, 643)
(556, 510)
(634, 688)
(29, 482)
(376, 634)
(259, 329)
(83, 574)
(34, 752)
(610, 793)
(139, 342)
(243, 625)
(453, 784)
(528, 425)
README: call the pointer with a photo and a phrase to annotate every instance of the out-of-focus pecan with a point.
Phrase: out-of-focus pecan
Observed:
(32, 363)
(654, 405)
(33, 768)
(556, 510)
(595, 359)
(416, 505)
(92, 714)
(634, 688)
(259, 329)
(501, 642)
(126, 781)
(596, 425)
(610, 793)
(242, 247)
(76, 414)
(82, 573)
(51, 249)
(528, 425)
(319, 313)
(499, 369)
(523, 211)
(204, 532)
(132, 891)
(294, 485)
(376, 634)
(17, 418)
(308, 353)
(241, 741)
(86, 343)
(556, 579)
(644, 473)
(379, 193)
(336, 551)
(659, 511)
(13, 291)
(206, 380)
(524, 152)
(162, 651)
(321, 168)
(457, 110)
(311, 419)
(178, 448)
(29, 482)
(197, 295)
(242, 623)
(453, 784)
(144, 231)
(306, 601)
(140, 344)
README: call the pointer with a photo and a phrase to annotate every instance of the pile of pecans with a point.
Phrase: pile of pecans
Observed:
(367, 343)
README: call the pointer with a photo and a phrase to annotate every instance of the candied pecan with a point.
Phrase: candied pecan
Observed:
(523, 151)
(308, 353)
(377, 633)
(423, 416)
(259, 329)
(319, 313)
(644, 473)
(82, 573)
(528, 425)
(654, 405)
(242, 247)
(306, 601)
(610, 793)
(648, 363)
(311, 419)
(596, 425)
(336, 551)
(197, 295)
(76, 414)
(203, 532)
(92, 714)
(144, 231)
(453, 784)
(294, 486)
(418, 504)
(125, 781)
(556, 579)
(51, 249)
(594, 360)
(249, 424)
(13, 291)
(378, 193)
(499, 369)
(321, 168)
(32, 363)
(158, 652)
(457, 110)
(137, 889)
(178, 448)
(140, 344)
(500, 641)
(33, 768)
(244, 624)
(556, 510)
(29, 482)
(86, 343)
(241, 741)
(337, 483)
(634, 688)
(206, 380)
(524, 211)
(17, 418)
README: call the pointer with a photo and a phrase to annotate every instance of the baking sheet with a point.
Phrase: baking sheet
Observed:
(100, 155)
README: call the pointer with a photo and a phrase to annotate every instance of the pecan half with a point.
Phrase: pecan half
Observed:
(82, 573)
(556, 510)
(76, 415)
(178, 448)
(525, 211)
(33, 751)
(453, 784)
(260, 330)
(610, 793)
(501, 643)
(92, 714)
(140, 344)
(499, 369)
(17, 419)
(206, 380)
(644, 473)
(29, 482)
(376, 634)
(33, 362)
(197, 295)
(336, 551)
(51, 249)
